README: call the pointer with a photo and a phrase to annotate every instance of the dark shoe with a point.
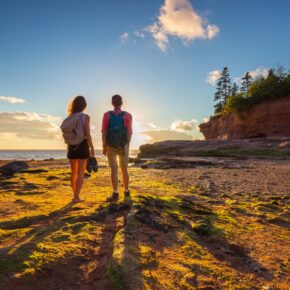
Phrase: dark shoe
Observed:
(95, 165)
(127, 193)
(89, 165)
(113, 197)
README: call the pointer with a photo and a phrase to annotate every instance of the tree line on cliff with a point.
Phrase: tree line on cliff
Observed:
(230, 96)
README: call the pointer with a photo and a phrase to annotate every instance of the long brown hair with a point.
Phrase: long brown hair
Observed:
(77, 105)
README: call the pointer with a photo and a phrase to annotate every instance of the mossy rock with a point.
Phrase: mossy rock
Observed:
(204, 229)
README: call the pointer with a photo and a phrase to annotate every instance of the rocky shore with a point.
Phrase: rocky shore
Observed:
(279, 147)
(193, 221)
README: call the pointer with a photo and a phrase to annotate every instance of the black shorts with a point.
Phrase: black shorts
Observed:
(80, 151)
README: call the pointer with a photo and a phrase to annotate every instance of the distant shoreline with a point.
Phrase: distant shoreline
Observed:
(26, 155)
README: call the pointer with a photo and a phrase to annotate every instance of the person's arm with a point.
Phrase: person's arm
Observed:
(104, 130)
(104, 143)
(129, 127)
(89, 137)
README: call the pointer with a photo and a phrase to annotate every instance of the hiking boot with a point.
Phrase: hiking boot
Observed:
(113, 197)
(127, 193)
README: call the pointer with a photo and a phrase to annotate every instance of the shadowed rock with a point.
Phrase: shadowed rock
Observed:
(13, 167)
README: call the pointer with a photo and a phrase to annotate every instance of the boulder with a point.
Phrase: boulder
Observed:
(13, 167)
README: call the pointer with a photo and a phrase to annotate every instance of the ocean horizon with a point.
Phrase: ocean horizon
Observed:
(43, 154)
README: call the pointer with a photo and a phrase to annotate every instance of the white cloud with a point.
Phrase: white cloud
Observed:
(206, 119)
(212, 77)
(124, 37)
(159, 36)
(178, 18)
(162, 135)
(258, 72)
(179, 130)
(29, 125)
(182, 126)
(12, 100)
(139, 33)
(212, 31)
(152, 125)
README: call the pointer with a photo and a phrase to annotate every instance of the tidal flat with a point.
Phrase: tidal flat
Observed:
(221, 224)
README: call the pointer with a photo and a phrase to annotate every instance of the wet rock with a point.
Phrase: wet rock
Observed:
(35, 171)
(52, 177)
(29, 192)
(139, 160)
(8, 184)
(13, 167)
(29, 186)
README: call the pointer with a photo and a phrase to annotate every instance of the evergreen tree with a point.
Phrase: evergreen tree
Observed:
(223, 90)
(246, 82)
(271, 72)
(235, 89)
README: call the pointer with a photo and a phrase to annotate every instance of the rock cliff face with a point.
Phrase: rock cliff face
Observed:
(267, 120)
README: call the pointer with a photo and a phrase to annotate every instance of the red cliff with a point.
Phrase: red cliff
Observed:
(270, 119)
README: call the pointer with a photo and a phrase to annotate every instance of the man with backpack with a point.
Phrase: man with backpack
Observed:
(116, 137)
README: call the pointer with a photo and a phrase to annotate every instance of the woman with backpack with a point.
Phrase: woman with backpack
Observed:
(76, 133)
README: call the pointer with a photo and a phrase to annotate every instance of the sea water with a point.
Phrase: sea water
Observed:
(41, 154)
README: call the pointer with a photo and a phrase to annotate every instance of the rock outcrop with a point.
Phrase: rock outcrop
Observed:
(270, 119)
(278, 147)
(13, 167)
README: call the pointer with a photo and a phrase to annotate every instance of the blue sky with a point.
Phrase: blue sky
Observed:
(156, 54)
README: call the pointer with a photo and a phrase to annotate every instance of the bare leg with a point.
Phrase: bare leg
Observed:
(114, 178)
(81, 170)
(125, 175)
(74, 175)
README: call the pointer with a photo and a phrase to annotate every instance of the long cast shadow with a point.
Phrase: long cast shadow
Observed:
(214, 241)
(13, 258)
(119, 233)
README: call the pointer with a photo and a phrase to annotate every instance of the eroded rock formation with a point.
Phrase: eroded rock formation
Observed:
(267, 120)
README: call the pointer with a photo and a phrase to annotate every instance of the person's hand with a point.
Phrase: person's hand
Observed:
(105, 150)
(92, 153)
